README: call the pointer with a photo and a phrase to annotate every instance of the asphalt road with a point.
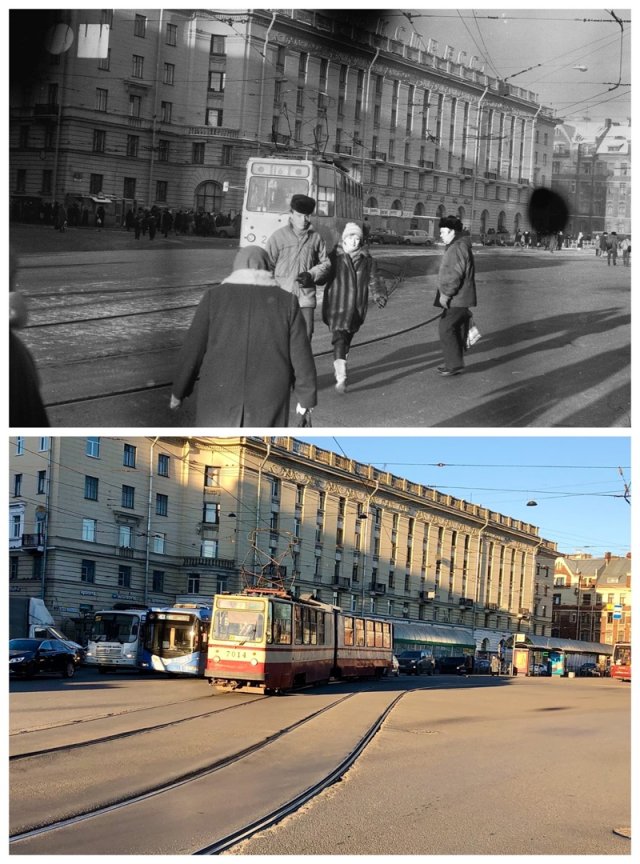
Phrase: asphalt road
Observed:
(478, 765)
(555, 350)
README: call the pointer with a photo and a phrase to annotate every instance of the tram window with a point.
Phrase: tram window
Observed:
(281, 628)
(348, 630)
(326, 201)
(297, 611)
(359, 633)
(371, 636)
(378, 633)
(321, 630)
(386, 633)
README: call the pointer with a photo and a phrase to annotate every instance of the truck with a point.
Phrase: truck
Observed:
(29, 618)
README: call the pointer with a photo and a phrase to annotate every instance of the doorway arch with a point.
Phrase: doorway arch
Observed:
(208, 197)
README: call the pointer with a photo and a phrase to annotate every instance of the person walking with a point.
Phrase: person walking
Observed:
(625, 246)
(455, 295)
(495, 665)
(603, 243)
(298, 257)
(612, 249)
(247, 346)
(346, 297)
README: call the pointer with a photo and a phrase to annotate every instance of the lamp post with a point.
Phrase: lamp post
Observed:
(578, 587)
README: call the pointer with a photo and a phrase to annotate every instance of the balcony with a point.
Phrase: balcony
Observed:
(341, 583)
(466, 602)
(32, 541)
(378, 156)
(125, 552)
(377, 588)
(48, 109)
(492, 176)
(221, 563)
(426, 164)
(492, 607)
(427, 596)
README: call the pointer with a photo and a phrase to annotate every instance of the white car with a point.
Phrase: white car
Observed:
(416, 238)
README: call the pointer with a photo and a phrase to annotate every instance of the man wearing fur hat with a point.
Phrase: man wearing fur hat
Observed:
(298, 257)
(247, 347)
(346, 297)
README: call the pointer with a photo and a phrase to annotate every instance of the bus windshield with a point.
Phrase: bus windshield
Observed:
(273, 194)
(238, 625)
(112, 627)
(171, 636)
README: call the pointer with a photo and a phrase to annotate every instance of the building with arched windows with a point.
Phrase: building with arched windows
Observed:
(125, 108)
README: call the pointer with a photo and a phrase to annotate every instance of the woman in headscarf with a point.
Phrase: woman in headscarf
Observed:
(346, 297)
(247, 347)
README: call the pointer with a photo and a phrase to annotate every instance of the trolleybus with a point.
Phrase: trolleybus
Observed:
(116, 640)
(176, 639)
(271, 182)
(268, 640)
(621, 661)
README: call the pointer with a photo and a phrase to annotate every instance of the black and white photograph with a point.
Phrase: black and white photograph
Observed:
(445, 193)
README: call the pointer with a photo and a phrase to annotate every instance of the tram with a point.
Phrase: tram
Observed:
(621, 661)
(270, 184)
(116, 640)
(176, 639)
(266, 639)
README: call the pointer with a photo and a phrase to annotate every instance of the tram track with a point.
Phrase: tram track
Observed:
(45, 828)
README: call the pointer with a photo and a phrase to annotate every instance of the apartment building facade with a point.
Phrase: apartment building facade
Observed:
(96, 522)
(177, 100)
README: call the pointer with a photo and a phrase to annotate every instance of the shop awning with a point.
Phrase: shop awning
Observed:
(568, 646)
(433, 634)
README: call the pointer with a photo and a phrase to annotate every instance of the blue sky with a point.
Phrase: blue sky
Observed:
(574, 480)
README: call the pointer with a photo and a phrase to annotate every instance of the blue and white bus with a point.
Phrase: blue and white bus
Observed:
(116, 640)
(176, 639)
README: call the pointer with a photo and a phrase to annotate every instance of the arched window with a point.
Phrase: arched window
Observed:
(441, 211)
(418, 209)
(397, 205)
(461, 214)
(372, 203)
(484, 218)
(502, 221)
(208, 197)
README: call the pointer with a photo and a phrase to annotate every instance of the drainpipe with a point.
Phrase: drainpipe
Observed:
(366, 110)
(45, 538)
(533, 141)
(367, 533)
(259, 492)
(148, 533)
(154, 120)
(475, 162)
(264, 62)
(477, 591)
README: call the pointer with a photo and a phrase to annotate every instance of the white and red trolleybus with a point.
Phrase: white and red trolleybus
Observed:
(268, 640)
(270, 184)
(621, 661)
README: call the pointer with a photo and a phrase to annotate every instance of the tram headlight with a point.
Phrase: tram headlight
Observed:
(216, 658)
(254, 661)
(251, 238)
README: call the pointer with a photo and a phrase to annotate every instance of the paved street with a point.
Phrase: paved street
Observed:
(555, 350)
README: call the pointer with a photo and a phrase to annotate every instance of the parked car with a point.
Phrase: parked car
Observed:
(482, 667)
(452, 665)
(416, 238)
(28, 657)
(416, 663)
(227, 231)
(589, 670)
(385, 236)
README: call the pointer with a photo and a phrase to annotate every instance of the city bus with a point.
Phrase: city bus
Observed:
(621, 661)
(272, 181)
(176, 639)
(116, 640)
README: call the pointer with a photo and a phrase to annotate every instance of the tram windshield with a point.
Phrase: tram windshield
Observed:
(172, 636)
(238, 625)
(273, 194)
(114, 627)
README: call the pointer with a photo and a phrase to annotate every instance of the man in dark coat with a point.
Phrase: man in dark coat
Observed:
(248, 347)
(346, 296)
(456, 294)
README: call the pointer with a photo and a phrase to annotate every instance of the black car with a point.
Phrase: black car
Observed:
(416, 663)
(454, 665)
(27, 657)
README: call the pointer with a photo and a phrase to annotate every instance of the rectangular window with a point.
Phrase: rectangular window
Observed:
(125, 537)
(140, 26)
(163, 465)
(214, 117)
(21, 180)
(302, 66)
(211, 476)
(17, 485)
(197, 153)
(124, 576)
(47, 181)
(209, 549)
(162, 505)
(193, 583)
(128, 496)
(227, 154)
(165, 112)
(217, 45)
(102, 96)
(91, 488)
(104, 63)
(14, 566)
(42, 482)
(163, 150)
(129, 187)
(211, 513)
(133, 144)
(89, 527)
(129, 456)
(172, 35)
(217, 81)
(159, 541)
(20, 445)
(137, 66)
(169, 73)
(157, 580)
(135, 105)
(95, 183)
(92, 448)
(87, 570)
(275, 487)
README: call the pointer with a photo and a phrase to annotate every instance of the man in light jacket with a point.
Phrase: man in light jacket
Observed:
(456, 294)
(298, 257)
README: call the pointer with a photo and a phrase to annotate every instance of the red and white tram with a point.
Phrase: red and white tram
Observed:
(269, 640)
